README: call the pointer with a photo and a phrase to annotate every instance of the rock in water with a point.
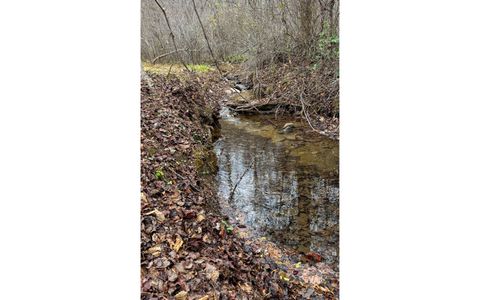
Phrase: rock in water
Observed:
(240, 87)
(232, 77)
(288, 127)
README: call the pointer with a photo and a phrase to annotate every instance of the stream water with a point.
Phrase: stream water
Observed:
(281, 185)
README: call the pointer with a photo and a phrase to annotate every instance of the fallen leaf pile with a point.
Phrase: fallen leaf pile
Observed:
(188, 249)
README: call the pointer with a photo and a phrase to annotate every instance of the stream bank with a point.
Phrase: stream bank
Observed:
(189, 248)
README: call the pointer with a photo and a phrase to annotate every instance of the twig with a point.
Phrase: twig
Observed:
(169, 70)
(304, 110)
(240, 179)
(172, 36)
(305, 113)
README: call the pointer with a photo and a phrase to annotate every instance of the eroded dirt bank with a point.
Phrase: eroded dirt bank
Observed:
(188, 249)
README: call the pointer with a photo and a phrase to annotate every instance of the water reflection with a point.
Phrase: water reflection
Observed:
(289, 189)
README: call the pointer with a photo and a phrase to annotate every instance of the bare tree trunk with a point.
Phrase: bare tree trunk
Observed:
(172, 35)
(306, 25)
(206, 38)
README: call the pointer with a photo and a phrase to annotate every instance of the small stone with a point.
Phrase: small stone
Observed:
(240, 87)
(288, 127)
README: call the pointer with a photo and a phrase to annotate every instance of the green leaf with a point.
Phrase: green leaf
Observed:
(228, 227)
(159, 174)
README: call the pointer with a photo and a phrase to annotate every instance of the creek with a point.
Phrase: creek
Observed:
(282, 186)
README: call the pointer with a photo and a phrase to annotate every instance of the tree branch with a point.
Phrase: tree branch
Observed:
(232, 193)
(166, 54)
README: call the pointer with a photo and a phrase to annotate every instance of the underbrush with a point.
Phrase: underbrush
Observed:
(308, 90)
(314, 87)
(236, 58)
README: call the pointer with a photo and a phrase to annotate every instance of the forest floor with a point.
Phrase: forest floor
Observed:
(189, 250)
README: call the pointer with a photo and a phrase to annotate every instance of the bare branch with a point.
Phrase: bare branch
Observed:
(166, 54)
(232, 193)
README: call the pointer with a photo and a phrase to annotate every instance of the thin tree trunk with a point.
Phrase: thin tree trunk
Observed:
(172, 35)
(306, 26)
(206, 39)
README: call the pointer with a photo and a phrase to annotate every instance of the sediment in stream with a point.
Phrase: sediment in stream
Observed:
(188, 249)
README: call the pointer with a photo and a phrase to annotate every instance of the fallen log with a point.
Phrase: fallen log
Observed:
(261, 108)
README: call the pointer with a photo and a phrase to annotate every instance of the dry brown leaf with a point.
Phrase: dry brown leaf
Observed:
(211, 272)
(184, 146)
(176, 196)
(323, 289)
(181, 295)
(158, 238)
(155, 250)
(206, 239)
(243, 234)
(200, 218)
(313, 256)
(144, 199)
(273, 252)
(177, 245)
(158, 214)
(172, 276)
(204, 298)
(246, 288)
(312, 279)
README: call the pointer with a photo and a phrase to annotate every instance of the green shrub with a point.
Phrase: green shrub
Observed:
(327, 47)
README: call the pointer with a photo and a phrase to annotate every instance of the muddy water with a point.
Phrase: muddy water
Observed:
(286, 184)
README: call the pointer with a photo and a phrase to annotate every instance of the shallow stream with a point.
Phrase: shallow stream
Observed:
(283, 186)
